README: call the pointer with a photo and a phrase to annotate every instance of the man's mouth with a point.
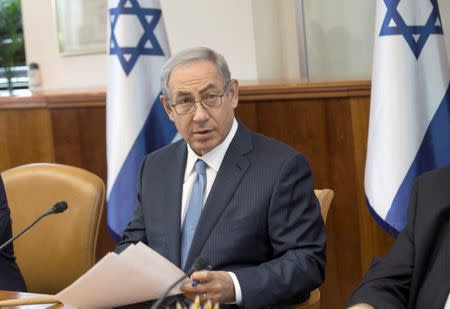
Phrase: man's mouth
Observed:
(204, 133)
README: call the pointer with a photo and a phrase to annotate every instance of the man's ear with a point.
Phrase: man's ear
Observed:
(166, 105)
(234, 92)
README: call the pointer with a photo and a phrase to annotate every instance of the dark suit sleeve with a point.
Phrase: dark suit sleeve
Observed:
(388, 281)
(135, 231)
(10, 275)
(297, 235)
(4, 213)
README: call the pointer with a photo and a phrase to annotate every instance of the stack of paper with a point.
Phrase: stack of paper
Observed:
(137, 274)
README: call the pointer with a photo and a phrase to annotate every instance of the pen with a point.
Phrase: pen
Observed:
(195, 282)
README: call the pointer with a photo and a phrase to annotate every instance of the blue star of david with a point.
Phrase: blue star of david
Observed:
(432, 26)
(128, 56)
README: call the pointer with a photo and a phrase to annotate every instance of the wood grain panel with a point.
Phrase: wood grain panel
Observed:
(79, 135)
(25, 137)
(295, 124)
(80, 140)
(343, 229)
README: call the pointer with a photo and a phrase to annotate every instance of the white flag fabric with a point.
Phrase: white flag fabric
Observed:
(409, 128)
(136, 121)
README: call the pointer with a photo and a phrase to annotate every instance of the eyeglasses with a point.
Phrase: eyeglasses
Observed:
(210, 100)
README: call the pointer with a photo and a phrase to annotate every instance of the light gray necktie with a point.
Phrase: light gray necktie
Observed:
(194, 210)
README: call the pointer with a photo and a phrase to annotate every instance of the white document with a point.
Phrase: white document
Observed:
(137, 274)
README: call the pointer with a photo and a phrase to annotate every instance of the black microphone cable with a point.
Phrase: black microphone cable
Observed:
(199, 264)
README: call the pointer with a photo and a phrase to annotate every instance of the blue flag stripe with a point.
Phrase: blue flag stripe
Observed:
(159, 129)
(157, 132)
(434, 152)
(385, 225)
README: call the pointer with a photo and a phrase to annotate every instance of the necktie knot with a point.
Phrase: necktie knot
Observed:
(200, 167)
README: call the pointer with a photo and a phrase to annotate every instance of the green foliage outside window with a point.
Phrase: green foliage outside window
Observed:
(12, 51)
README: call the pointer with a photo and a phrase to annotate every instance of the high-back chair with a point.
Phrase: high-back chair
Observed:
(62, 246)
(325, 196)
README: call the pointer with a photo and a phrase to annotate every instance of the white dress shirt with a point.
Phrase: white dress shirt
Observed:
(213, 160)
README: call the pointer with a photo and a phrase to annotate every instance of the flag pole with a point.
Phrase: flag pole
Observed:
(301, 42)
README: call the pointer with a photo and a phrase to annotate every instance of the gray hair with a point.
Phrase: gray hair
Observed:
(191, 55)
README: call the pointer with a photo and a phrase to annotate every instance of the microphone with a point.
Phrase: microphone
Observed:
(199, 264)
(56, 209)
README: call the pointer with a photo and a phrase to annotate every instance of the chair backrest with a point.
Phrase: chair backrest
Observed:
(325, 196)
(61, 247)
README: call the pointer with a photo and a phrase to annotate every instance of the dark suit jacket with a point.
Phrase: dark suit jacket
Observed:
(416, 272)
(10, 276)
(261, 219)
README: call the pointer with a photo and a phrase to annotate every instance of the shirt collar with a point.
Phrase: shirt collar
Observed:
(212, 158)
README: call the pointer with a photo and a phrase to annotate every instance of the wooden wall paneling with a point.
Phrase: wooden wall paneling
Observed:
(80, 140)
(246, 112)
(25, 136)
(67, 133)
(79, 135)
(295, 123)
(342, 225)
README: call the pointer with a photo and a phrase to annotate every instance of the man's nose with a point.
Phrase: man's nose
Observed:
(200, 112)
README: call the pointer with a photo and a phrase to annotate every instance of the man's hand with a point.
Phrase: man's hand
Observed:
(217, 286)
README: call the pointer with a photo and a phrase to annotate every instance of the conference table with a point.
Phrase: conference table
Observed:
(4, 295)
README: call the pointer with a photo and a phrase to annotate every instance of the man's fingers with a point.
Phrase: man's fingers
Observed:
(203, 275)
(217, 286)
(213, 297)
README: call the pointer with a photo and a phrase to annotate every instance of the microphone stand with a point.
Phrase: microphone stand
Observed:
(25, 229)
(57, 208)
(162, 298)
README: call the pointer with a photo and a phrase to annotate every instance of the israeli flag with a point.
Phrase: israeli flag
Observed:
(136, 121)
(409, 128)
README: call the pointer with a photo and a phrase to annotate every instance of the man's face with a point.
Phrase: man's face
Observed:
(205, 128)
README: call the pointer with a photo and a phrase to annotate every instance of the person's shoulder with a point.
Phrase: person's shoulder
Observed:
(433, 186)
(439, 175)
(271, 153)
(166, 151)
(271, 146)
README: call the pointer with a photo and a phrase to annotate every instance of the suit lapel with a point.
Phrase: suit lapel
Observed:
(232, 169)
(173, 217)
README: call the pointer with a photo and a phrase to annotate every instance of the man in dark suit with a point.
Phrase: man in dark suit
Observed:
(10, 276)
(416, 272)
(259, 223)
